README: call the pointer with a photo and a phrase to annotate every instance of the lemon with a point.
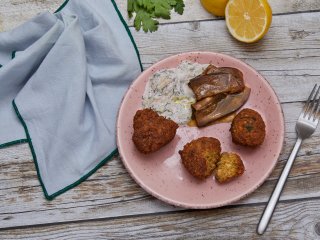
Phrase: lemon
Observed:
(248, 20)
(216, 7)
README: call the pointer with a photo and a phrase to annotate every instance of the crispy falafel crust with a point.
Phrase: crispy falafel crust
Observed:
(228, 167)
(248, 128)
(200, 156)
(152, 131)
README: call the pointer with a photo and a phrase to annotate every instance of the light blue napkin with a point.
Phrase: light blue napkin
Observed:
(62, 79)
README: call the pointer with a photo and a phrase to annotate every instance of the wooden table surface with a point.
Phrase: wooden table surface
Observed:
(111, 205)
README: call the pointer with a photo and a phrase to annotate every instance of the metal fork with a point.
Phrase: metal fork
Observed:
(305, 127)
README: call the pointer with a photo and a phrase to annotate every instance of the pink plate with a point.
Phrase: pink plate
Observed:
(161, 173)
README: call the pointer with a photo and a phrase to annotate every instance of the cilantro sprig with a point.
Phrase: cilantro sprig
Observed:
(145, 12)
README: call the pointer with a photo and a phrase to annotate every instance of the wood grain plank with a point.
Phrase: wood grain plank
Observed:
(289, 53)
(14, 12)
(195, 12)
(292, 220)
(112, 193)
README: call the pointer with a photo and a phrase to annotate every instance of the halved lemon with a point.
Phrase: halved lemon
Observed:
(248, 20)
(216, 7)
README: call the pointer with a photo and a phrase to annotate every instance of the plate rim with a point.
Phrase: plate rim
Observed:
(199, 206)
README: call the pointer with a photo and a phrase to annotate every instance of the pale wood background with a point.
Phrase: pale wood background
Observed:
(111, 205)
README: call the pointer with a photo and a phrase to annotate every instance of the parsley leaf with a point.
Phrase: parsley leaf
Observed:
(179, 7)
(147, 4)
(144, 19)
(130, 8)
(146, 12)
(162, 9)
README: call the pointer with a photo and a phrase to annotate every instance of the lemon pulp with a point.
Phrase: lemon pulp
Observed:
(248, 20)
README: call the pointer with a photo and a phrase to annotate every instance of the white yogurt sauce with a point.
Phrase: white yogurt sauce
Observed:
(167, 91)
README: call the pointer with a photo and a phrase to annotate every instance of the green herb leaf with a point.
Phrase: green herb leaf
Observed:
(147, 10)
(130, 7)
(147, 4)
(144, 19)
(179, 7)
(150, 25)
(162, 9)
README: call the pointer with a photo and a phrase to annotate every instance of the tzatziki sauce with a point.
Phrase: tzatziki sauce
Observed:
(167, 91)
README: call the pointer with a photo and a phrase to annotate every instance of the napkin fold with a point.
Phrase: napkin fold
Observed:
(62, 79)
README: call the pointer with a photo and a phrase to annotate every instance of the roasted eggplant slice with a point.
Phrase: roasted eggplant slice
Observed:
(213, 108)
(206, 102)
(209, 69)
(214, 81)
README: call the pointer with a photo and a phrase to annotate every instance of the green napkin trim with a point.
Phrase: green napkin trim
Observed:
(34, 156)
(128, 31)
(62, 6)
(52, 196)
(123, 22)
(28, 138)
(13, 55)
(8, 144)
(31, 148)
(19, 141)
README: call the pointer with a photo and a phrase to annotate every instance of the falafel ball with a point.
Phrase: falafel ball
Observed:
(200, 156)
(152, 131)
(229, 167)
(248, 128)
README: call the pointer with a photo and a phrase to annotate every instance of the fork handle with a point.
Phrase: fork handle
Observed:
(267, 214)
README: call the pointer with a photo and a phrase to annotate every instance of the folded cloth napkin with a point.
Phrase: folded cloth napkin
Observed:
(62, 78)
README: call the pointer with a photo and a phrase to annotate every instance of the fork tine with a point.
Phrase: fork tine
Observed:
(307, 104)
(315, 112)
(313, 105)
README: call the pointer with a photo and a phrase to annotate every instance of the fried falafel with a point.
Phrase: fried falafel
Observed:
(248, 128)
(152, 131)
(228, 167)
(200, 156)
